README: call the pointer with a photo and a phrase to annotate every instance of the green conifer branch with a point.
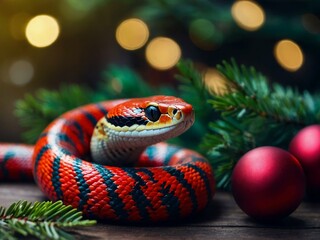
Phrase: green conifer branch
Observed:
(254, 113)
(36, 111)
(254, 96)
(193, 90)
(191, 86)
(43, 220)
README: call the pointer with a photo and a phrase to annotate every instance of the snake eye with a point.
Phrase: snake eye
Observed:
(153, 113)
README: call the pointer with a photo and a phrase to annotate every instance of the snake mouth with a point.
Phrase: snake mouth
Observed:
(136, 128)
(160, 133)
(165, 132)
(172, 130)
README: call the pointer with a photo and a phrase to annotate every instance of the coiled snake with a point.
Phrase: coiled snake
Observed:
(143, 179)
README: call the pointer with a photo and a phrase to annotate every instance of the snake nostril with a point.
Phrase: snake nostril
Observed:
(178, 115)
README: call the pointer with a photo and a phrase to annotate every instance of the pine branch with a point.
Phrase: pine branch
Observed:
(36, 112)
(43, 220)
(254, 113)
(254, 96)
(191, 87)
(193, 90)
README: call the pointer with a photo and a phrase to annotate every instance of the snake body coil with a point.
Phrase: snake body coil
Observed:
(162, 181)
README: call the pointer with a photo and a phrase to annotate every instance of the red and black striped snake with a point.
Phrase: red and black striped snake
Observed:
(109, 161)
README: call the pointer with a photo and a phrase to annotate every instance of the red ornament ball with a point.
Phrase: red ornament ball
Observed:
(268, 183)
(305, 146)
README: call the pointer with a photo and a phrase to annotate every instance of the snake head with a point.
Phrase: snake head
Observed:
(129, 127)
(161, 117)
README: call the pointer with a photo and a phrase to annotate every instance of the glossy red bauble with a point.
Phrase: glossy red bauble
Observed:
(305, 146)
(268, 183)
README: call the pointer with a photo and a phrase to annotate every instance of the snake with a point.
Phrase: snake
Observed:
(111, 161)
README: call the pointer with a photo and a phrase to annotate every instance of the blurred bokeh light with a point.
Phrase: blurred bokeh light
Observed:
(215, 82)
(248, 15)
(21, 72)
(132, 34)
(289, 55)
(163, 53)
(42, 31)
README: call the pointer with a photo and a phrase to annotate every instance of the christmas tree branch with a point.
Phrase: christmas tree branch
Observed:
(43, 220)
(191, 87)
(253, 96)
(192, 90)
(253, 113)
(36, 111)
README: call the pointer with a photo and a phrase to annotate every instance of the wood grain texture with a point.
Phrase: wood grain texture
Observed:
(221, 220)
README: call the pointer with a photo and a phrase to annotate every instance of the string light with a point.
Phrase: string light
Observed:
(163, 53)
(21, 72)
(289, 55)
(132, 34)
(42, 31)
(248, 15)
(215, 82)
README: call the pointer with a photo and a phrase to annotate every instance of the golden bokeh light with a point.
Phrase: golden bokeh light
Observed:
(42, 31)
(215, 82)
(163, 53)
(248, 15)
(132, 34)
(289, 55)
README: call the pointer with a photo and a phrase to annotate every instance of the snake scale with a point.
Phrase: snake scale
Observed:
(110, 161)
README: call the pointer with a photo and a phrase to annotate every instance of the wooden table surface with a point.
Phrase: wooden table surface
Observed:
(221, 220)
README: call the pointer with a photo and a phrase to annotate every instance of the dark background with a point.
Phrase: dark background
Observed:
(87, 45)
